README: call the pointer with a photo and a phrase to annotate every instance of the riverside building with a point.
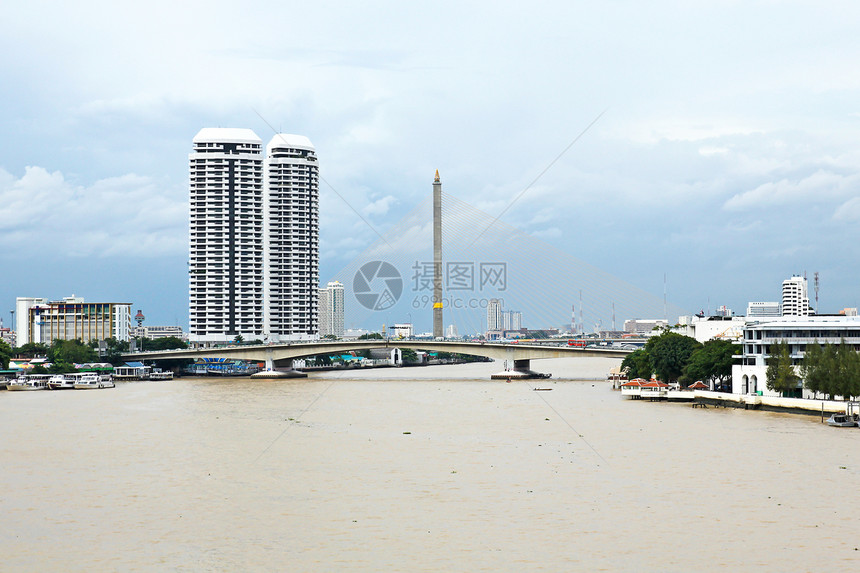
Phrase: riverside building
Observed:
(750, 375)
(43, 321)
(254, 237)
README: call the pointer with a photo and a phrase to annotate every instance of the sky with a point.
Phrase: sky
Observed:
(706, 150)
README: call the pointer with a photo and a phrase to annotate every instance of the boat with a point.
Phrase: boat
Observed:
(90, 380)
(161, 375)
(843, 420)
(29, 382)
(61, 382)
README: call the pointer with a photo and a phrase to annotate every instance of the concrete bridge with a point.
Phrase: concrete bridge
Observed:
(281, 356)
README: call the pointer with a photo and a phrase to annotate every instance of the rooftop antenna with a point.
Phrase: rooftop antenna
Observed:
(816, 291)
(665, 312)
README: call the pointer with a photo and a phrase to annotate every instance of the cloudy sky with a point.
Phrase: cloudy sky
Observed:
(725, 156)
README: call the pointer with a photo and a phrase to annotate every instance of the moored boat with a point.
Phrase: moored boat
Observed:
(90, 380)
(29, 382)
(61, 382)
(843, 420)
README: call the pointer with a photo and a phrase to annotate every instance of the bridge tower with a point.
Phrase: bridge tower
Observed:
(438, 328)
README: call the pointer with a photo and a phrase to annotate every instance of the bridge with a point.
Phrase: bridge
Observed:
(279, 357)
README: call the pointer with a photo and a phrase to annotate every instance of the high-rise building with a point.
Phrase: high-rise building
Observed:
(226, 236)
(254, 237)
(331, 309)
(291, 242)
(795, 300)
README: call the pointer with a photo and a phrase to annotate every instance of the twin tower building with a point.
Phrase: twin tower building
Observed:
(254, 237)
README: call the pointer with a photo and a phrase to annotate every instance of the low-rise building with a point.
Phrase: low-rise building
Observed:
(153, 332)
(749, 373)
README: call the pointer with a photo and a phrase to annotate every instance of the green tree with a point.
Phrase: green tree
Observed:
(847, 371)
(370, 336)
(814, 368)
(711, 363)
(72, 352)
(166, 343)
(32, 350)
(5, 354)
(408, 355)
(781, 376)
(638, 364)
(670, 353)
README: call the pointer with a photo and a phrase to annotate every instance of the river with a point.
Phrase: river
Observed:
(418, 469)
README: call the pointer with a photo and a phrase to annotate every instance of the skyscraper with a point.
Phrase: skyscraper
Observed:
(226, 236)
(254, 237)
(331, 309)
(291, 243)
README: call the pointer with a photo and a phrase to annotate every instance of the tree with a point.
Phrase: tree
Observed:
(71, 352)
(670, 352)
(780, 373)
(166, 343)
(5, 354)
(408, 355)
(814, 368)
(32, 350)
(371, 336)
(638, 364)
(712, 362)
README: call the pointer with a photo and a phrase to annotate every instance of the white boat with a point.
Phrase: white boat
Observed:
(29, 382)
(90, 380)
(843, 420)
(60, 382)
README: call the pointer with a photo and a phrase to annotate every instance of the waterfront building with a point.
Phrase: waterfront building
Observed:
(291, 240)
(795, 300)
(43, 321)
(750, 374)
(331, 309)
(764, 309)
(226, 236)
(254, 237)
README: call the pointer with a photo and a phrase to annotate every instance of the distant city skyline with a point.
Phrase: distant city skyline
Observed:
(724, 162)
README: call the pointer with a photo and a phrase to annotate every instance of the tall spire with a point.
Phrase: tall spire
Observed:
(438, 331)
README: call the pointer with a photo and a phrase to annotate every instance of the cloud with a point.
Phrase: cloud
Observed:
(818, 187)
(41, 212)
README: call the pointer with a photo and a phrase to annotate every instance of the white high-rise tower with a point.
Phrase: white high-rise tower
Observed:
(226, 236)
(254, 237)
(291, 243)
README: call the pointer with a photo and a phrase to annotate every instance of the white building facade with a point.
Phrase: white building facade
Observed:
(226, 236)
(291, 241)
(331, 309)
(254, 237)
(795, 298)
(750, 375)
(42, 321)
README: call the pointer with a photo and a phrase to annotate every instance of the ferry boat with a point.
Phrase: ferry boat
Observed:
(90, 380)
(29, 382)
(61, 382)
